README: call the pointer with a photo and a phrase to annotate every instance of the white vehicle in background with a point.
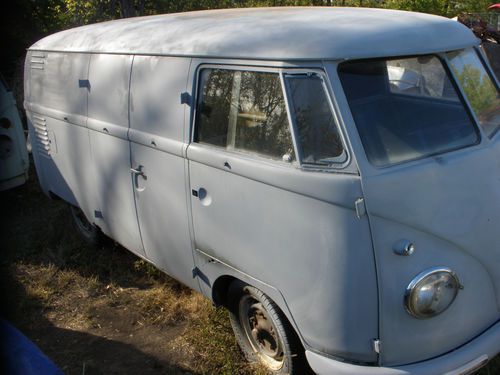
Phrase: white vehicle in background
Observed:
(14, 161)
(329, 175)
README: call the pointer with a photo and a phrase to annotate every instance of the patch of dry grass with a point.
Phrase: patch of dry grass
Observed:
(165, 305)
(58, 292)
(50, 277)
(212, 343)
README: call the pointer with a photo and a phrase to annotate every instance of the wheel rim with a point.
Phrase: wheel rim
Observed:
(261, 332)
(81, 221)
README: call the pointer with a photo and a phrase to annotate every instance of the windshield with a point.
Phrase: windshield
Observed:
(479, 88)
(406, 108)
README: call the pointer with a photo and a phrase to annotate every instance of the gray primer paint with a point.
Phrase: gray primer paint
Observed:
(271, 34)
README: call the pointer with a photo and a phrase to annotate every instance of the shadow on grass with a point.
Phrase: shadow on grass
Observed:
(39, 232)
(76, 352)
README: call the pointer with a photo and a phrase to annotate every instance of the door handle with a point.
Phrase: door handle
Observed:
(200, 193)
(203, 196)
(138, 172)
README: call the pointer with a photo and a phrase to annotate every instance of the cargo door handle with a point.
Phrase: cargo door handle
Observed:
(136, 173)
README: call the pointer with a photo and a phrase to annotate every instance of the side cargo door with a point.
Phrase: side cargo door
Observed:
(108, 124)
(280, 205)
(159, 167)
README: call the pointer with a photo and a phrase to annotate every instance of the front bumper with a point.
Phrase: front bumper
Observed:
(461, 361)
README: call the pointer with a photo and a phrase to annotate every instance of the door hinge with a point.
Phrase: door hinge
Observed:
(186, 98)
(359, 204)
(377, 346)
(84, 84)
(195, 272)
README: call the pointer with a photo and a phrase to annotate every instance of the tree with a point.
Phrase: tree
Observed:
(30, 20)
(479, 89)
(448, 8)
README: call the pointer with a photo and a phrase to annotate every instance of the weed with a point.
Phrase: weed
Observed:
(213, 343)
(140, 265)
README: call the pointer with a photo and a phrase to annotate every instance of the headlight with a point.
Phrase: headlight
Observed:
(431, 292)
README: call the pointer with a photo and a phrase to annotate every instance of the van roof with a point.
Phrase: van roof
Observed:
(292, 33)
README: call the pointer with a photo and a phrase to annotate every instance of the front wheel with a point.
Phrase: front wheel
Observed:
(85, 228)
(263, 332)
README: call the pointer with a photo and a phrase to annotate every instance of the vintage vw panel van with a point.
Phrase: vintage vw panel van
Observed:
(330, 175)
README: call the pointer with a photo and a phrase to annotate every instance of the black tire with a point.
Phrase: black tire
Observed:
(263, 332)
(85, 228)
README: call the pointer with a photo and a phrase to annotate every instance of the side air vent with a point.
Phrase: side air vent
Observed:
(42, 140)
(37, 60)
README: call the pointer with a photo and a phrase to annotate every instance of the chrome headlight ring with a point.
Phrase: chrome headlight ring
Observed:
(431, 292)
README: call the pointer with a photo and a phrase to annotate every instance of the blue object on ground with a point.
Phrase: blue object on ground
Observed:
(20, 356)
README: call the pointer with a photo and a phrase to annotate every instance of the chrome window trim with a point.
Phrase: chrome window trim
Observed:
(322, 75)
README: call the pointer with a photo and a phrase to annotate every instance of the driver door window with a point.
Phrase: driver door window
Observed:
(244, 111)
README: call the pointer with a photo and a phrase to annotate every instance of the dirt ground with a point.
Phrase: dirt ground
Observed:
(103, 310)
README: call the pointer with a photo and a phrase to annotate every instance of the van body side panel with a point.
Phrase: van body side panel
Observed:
(109, 77)
(57, 110)
(157, 141)
(298, 232)
(57, 83)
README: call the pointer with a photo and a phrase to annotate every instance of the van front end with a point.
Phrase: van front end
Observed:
(425, 130)
(464, 360)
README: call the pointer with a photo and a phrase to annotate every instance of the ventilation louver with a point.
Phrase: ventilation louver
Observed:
(37, 60)
(42, 136)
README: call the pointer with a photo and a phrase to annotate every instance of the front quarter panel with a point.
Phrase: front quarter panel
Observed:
(448, 207)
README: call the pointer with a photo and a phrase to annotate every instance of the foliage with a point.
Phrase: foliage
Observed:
(479, 89)
(448, 8)
(51, 15)
(29, 20)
